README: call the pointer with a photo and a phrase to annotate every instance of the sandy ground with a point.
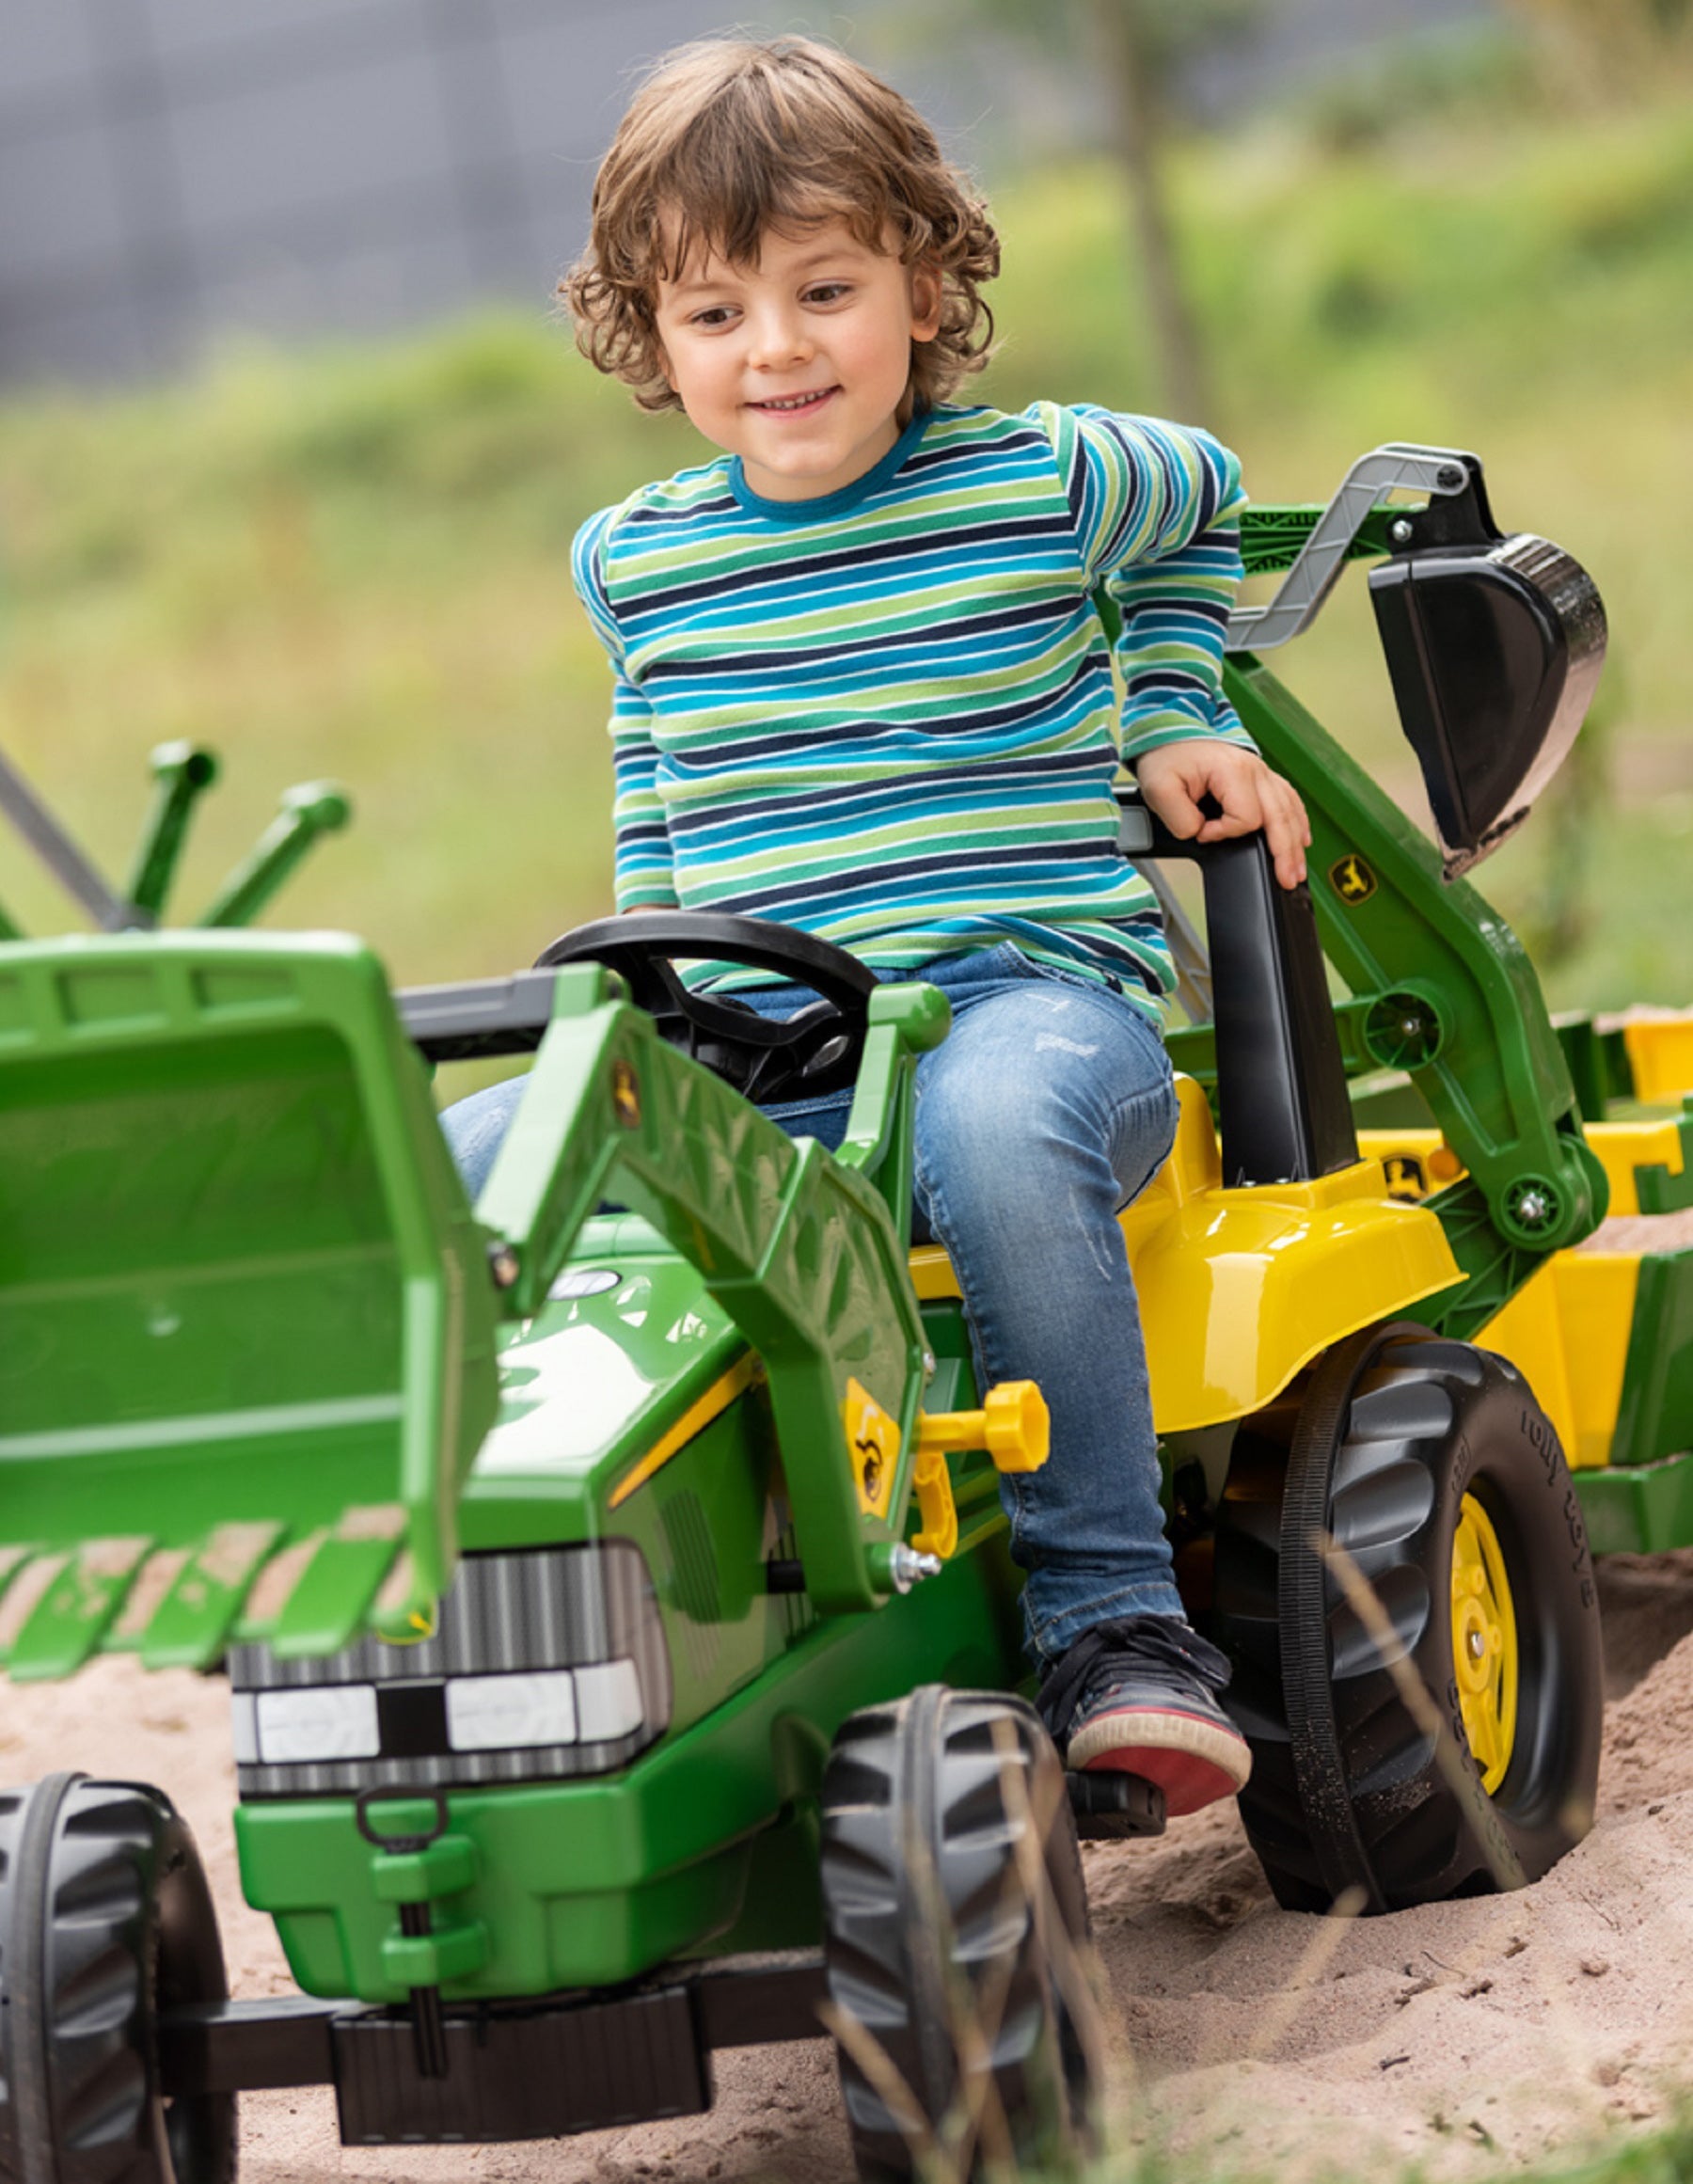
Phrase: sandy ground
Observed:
(1466, 2036)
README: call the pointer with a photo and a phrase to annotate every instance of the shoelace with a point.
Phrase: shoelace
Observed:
(1155, 1642)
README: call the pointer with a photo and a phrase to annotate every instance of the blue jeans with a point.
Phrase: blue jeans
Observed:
(1047, 1107)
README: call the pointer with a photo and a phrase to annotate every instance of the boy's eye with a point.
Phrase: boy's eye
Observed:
(713, 315)
(827, 292)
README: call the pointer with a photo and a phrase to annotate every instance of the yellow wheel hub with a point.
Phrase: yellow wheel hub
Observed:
(1484, 1643)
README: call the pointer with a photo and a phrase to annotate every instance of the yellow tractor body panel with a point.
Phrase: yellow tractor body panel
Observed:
(1420, 1162)
(1241, 1288)
(1660, 1055)
(1567, 1330)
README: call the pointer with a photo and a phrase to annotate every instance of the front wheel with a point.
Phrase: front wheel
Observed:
(1424, 1706)
(956, 1928)
(105, 1921)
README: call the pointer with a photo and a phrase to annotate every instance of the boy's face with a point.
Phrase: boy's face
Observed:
(799, 364)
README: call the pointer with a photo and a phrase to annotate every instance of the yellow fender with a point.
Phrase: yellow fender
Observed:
(1241, 1288)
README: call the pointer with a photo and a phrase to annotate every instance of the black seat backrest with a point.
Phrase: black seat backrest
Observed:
(1282, 1107)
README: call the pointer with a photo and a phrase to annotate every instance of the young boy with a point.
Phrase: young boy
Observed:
(861, 688)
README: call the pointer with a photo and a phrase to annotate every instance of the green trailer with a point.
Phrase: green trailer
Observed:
(611, 1577)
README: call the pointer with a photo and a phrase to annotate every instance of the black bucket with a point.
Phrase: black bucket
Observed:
(1495, 646)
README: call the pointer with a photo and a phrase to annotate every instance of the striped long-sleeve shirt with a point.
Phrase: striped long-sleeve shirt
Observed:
(887, 715)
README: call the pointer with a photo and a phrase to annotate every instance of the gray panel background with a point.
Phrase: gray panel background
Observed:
(174, 172)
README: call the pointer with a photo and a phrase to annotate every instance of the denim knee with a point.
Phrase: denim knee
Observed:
(1042, 1089)
(475, 1129)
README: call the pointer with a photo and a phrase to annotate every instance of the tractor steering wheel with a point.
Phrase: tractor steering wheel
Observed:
(814, 1051)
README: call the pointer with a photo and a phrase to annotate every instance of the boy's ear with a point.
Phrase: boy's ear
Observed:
(925, 301)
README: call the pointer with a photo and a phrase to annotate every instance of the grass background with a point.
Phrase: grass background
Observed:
(352, 562)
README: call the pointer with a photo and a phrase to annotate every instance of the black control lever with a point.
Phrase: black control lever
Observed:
(1110, 1806)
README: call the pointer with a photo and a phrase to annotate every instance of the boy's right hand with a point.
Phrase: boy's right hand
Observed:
(1176, 776)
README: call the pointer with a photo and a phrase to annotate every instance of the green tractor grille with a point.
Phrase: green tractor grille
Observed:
(543, 1666)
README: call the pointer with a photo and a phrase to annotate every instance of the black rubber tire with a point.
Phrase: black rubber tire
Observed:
(927, 1919)
(1352, 1798)
(105, 1920)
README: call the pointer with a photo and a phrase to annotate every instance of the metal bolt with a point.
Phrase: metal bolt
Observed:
(1532, 1208)
(1400, 530)
(929, 1365)
(503, 1265)
(907, 1567)
(1450, 476)
(1477, 1645)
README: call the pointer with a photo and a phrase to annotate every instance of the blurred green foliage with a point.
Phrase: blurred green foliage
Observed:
(1663, 2154)
(1665, 2158)
(354, 561)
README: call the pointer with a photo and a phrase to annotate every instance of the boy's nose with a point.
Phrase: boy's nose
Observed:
(779, 337)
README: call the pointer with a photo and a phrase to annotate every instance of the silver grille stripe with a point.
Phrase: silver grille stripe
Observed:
(556, 1607)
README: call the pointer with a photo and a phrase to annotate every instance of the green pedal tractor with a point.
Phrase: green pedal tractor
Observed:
(610, 1578)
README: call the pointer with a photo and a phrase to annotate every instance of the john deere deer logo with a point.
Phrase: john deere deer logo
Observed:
(1351, 879)
(625, 1094)
(1406, 1177)
(872, 1448)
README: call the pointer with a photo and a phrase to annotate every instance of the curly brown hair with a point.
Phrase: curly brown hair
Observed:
(728, 138)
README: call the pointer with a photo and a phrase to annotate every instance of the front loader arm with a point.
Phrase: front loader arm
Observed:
(800, 1250)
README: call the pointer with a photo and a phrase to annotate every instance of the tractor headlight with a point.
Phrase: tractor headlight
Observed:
(512, 1712)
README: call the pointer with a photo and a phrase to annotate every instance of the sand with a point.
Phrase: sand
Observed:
(1466, 2035)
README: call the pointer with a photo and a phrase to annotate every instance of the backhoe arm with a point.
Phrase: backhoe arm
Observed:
(1444, 991)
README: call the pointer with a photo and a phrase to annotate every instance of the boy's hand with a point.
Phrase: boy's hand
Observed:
(1174, 777)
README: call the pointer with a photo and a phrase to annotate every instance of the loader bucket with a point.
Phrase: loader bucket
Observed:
(247, 1326)
(1493, 646)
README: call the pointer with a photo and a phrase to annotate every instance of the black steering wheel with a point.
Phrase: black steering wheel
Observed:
(814, 1051)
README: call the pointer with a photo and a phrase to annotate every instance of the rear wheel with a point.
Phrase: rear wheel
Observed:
(956, 1927)
(105, 1921)
(1432, 1468)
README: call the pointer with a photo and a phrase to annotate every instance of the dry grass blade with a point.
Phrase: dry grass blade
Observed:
(1076, 1969)
(975, 2134)
(896, 2097)
(1449, 1756)
(943, 2146)
(976, 2013)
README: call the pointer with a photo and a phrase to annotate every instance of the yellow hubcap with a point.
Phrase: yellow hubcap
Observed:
(1484, 1643)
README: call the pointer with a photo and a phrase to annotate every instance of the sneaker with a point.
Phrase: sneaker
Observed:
(1140, 1696)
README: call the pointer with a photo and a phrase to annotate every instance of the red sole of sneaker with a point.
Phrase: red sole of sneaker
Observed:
(1189, 1783)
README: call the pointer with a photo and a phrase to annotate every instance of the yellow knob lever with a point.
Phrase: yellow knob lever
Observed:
(939, 1513)
(1013, 1425)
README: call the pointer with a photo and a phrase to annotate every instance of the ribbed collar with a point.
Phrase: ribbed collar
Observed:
(828, 505)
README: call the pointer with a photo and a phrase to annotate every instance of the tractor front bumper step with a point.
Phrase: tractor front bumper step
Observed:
(514, 2071)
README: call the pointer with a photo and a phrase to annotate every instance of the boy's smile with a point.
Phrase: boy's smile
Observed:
(799, 364)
